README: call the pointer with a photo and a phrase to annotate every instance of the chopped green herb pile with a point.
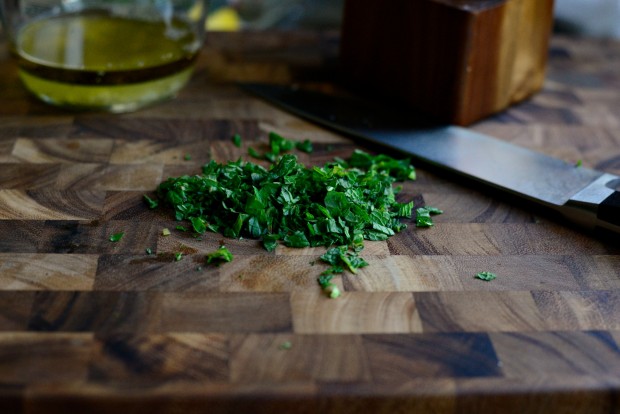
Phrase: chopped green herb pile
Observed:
(486, 276)
(338, 205)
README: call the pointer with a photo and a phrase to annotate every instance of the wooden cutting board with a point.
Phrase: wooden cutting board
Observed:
(87, 325)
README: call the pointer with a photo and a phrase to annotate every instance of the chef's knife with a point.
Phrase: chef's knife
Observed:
(588, 197)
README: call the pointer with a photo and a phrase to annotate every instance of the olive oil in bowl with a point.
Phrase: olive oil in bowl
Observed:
(97, 60)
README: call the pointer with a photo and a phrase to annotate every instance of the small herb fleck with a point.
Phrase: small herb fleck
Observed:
(236, 139)
(329, 288)
(304, 146)
(165, 232)
(486, 276)
(220, 255)
(343, 257)
(286, 345)
(152, 203)
(253, 153)
(278, 146)
(116, 237)
(178, 256)
(423, 216)
(148, 251)
(332, 291)
(187, 157)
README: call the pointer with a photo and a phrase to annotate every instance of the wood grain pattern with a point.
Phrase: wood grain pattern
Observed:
(358, 312)
(26, 271)
(89, 325)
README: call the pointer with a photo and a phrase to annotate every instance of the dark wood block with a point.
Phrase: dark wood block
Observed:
(456, 60)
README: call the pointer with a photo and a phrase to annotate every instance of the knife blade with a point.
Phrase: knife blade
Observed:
(590, 198)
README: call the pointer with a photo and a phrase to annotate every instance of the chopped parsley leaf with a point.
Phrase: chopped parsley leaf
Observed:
(116, 237)
(236, 139)
(423, 216)
(199, 225)
(220, 255)
(253, 153)
(286, 345)
(486, 276)
(325, 279)
(278, 145)
(341, 257)
(152, 203)
(330, 289)
(304, 146)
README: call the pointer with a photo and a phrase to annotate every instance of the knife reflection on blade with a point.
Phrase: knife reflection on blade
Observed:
(587, 197)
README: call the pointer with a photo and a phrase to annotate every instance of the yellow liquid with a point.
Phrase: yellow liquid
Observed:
(95, 60)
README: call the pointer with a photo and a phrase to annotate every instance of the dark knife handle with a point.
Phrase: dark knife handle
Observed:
(609, 209)
(596, 206)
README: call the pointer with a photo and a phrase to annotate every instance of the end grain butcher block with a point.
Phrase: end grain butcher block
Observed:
(458, 60)
(93, 326)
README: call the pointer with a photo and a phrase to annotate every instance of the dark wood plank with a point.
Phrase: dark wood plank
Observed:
(458, 61)
(230, 312)
(399, 358)
(126, 359)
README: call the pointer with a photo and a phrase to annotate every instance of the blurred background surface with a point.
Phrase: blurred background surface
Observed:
(598, 18)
